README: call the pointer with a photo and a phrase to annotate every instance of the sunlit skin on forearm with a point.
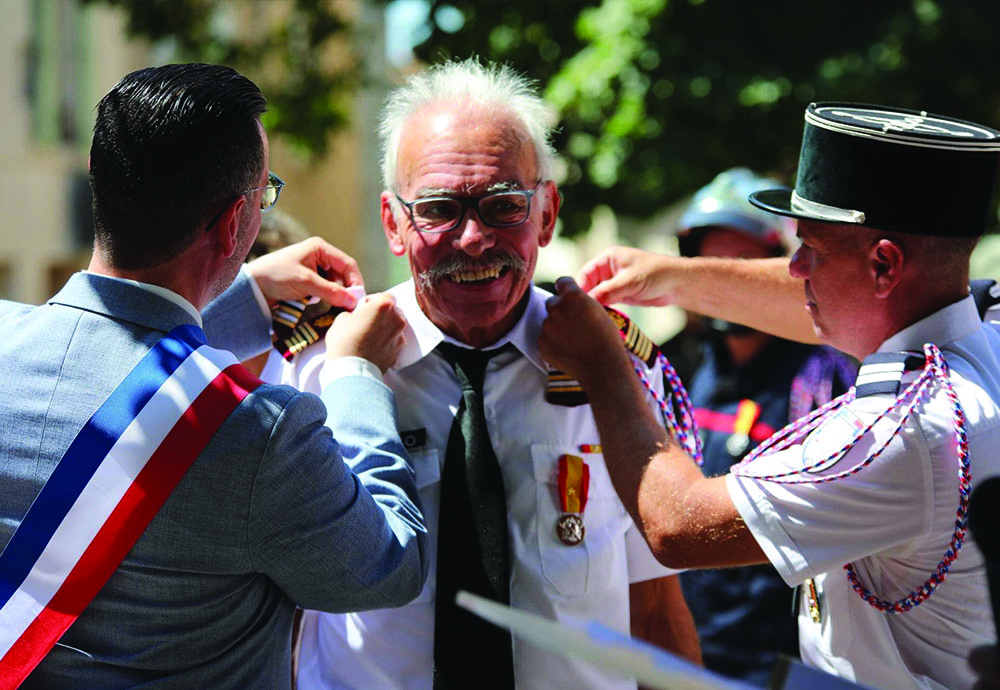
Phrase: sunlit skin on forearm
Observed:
(688, 520)
(755, 292)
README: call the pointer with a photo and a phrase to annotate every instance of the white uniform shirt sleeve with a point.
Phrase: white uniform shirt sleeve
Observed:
(809, 528)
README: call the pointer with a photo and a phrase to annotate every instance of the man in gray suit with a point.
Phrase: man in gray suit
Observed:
(273, 512)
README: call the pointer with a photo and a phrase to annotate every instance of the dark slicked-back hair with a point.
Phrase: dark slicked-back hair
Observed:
(172, 146)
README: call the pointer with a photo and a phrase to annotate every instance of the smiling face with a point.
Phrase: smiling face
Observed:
(471, 281)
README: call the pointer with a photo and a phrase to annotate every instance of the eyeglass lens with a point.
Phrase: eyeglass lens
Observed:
(269, 197)
(500, 209)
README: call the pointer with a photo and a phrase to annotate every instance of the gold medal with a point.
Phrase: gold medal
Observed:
(574, 483)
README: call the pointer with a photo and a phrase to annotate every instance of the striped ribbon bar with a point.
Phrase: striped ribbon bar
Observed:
(111, 482)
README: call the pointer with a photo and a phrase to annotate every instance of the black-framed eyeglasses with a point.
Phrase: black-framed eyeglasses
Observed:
(504, 209)
(272, 190)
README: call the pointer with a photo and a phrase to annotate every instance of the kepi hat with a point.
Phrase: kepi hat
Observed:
(891, 169)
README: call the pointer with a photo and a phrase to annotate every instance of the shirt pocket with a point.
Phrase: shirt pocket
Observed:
(426, 465)
(591, 565)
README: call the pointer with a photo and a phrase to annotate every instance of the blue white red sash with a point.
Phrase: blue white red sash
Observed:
(111, 482)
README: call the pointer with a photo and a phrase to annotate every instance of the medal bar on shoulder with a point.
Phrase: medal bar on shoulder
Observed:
(675, 407)
(285, 315)
(564, 390)
(296, 327)
(636, 342)
(298, 324)
(574, 483)
(305, 334)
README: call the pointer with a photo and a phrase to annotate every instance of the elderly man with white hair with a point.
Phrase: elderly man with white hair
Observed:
(519, 504)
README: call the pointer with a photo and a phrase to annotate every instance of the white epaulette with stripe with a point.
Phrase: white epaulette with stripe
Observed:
(883, 372)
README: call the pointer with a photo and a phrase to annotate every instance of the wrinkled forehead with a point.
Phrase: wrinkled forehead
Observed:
(837, 239)
(464, 147)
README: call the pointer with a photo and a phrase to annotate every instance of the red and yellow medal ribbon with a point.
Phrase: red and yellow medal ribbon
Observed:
(574, 483)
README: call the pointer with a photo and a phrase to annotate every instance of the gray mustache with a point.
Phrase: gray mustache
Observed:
(460, 263)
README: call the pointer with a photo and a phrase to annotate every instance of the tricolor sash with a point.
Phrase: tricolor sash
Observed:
(112, 480)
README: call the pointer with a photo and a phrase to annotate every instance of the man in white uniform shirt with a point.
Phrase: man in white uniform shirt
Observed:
(469, 202)
(890, 205)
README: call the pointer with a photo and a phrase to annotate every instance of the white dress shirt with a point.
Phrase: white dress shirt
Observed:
(394, 648)
(893, 519)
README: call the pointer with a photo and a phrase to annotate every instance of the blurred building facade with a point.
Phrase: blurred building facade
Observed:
(60, 60)
(63, 56)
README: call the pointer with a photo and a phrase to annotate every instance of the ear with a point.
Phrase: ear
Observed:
(393, 232)
(226, 227)
(550, 211)
(887, 260)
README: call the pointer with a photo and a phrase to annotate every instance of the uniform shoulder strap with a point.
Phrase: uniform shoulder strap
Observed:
(566, 391)
(883, 372)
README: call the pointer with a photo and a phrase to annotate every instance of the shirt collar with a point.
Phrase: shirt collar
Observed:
(161, 292)
(944, 326)
(422, 336)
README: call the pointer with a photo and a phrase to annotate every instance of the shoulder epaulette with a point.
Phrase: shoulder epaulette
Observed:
(564, 390)
(636, 342)
(297, 326)
(883, 372)
(986, 293)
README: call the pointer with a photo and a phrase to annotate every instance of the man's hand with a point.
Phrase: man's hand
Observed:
(577, 335)
(758, 293)
(292, 273)
(629, 276)
(374, 331)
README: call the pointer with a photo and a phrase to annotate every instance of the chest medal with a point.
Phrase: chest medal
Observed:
(574, 485)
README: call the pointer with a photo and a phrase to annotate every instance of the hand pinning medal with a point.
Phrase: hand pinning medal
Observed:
(298, 324)
(574, 483)
(676, 407)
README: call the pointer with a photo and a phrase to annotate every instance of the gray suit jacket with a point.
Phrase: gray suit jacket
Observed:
(269, 516)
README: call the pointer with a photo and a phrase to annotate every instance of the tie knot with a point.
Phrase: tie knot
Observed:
(469, 364)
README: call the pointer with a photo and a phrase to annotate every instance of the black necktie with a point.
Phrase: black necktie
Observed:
(472, 541)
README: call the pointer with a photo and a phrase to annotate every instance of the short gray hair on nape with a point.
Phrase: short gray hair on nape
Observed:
(492, 85)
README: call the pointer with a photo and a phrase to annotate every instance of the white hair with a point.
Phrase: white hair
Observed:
(493, 85)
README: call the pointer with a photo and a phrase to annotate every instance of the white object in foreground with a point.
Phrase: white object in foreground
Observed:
(606, 648)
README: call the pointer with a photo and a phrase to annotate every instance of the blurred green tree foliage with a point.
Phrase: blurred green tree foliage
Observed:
(655, 97)
(283, 46)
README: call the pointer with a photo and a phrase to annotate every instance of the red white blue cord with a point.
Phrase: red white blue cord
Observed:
(677, 411)
(935, 368)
